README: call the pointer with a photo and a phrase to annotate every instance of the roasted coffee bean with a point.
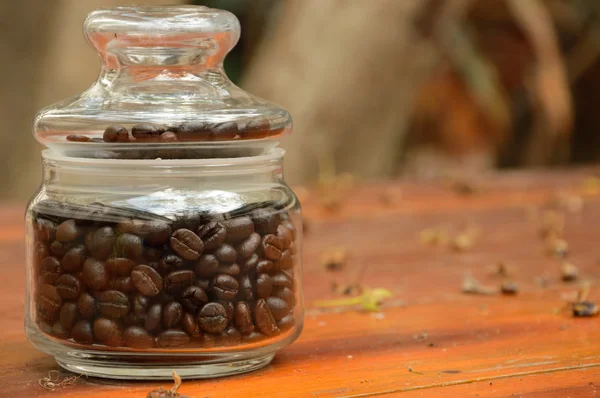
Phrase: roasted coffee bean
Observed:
(78, 138)
(193, 297)
(271, 247)
(44, 326)
(204, 284)
(238, 229)
(68, 287)
(137, 337)
(248, 246)
(59, 248)
(45, 230)
(82, 332)
(153, 317)
(187, 244)
(230, 336)
(155, 232)
(95, 274)
(206, 266)
(168, 136)
(266, 221)
(213, 318)
(176, 282)
(264, 286)
(243, 317)
(48, 278)
(287, 322)
(113, 304)
(188, 220)
(194, 131)
(68, 231)
(146, 280)
(123, 284)
(229, 269)
(152, 253)
(265, 267)
(285, 236)
(257, 127)
(190, 325)
(68, 315)
(49, 299)
(86, 304)
(147, 132)
(171, 314)
(224, 131)
(290, 227)
(254, 337)
(287, 295)
(139, 305)
(285, 261)
(172, 338)
(73, 259)
(129, 245)
(282, 280)
(293, 248)
(249, 266)
(115, 134)
(229, 309)
(108, 332)
(212, 234)
(59, 331)
(119, 266)
(170, 262)
(264, 319)
(278, 307)
(102, 242)
(247, 288)
(226, 253)
(225, 287)
(40, 251)
(49, 265)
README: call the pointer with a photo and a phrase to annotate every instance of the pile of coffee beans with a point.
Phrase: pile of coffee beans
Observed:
(254, 128)
(125, 278)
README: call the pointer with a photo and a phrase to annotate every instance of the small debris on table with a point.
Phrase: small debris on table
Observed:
(470, 285)
(434, 236)
(411, 370)
(503, 269)
(466, 239)
(553, 224)
(509, 288)
(568, 272)
(334, 259)
(557, 247)
(463, 186)
(172, 393)
(585, 309)
(421, 336)
(352, 289)
(53, 382)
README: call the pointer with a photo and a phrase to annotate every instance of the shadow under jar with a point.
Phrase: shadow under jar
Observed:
(163, 236)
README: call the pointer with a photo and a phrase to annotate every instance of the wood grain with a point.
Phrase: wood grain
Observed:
(456, 344)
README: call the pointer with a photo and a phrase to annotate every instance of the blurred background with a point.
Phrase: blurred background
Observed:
(377, 89)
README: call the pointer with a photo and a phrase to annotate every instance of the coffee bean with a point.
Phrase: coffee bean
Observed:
(154, 232)
(44, 230)
(68, 315)
(74, 258)
(137, 337)
(290, 227)
(40, 251)
(172, 338)
(86, 304)
(146, 280)
(213, 318)
(287, 322)
(278, 307)
(247, 288)
(153, 317)
(78, 138)
(68, 287)
(129, 245)
(193, 297)
(257, 127)
(177, 281)
(285, 262)
(204, 284)
(229, 269)
(108, 332)
(95, 274)
(82, 332)
(243, 317)
(266, 221)
(225, 287)
(152, 253)
(60, 248)
(139, 305)
(190, 325)
(285, 236)
(168, 136)
(119, 266)
(248, 246)
(171, 314)
(49, 299)
(265, 267)
(254, 337)
(171, 261)
(210, 340)
(48, 278)
(230, 336)
(101, 242)
(287, 295)
(59, 331)
(206, 266)
(264, 286)
(271, 246)
(249, 266)
(194, 131)
(226, 253)
(229, 309)
(115, 134)
(113, 304)
(147, 132)
(282, 280)
(188, 220)
(238, 229)
(50, 265)
(264, 319)
(224, 131)
(187, 244)
(123, 284)
(68, 231)
(212, 234)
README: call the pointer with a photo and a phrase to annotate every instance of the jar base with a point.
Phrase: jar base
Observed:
(134, 370)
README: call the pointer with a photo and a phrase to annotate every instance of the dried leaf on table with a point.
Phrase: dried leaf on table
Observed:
(369, 300)
(470, 285)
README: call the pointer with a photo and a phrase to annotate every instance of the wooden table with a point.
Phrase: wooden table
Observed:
(455, 344)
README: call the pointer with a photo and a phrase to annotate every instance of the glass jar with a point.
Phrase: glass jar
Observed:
(163, 236)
